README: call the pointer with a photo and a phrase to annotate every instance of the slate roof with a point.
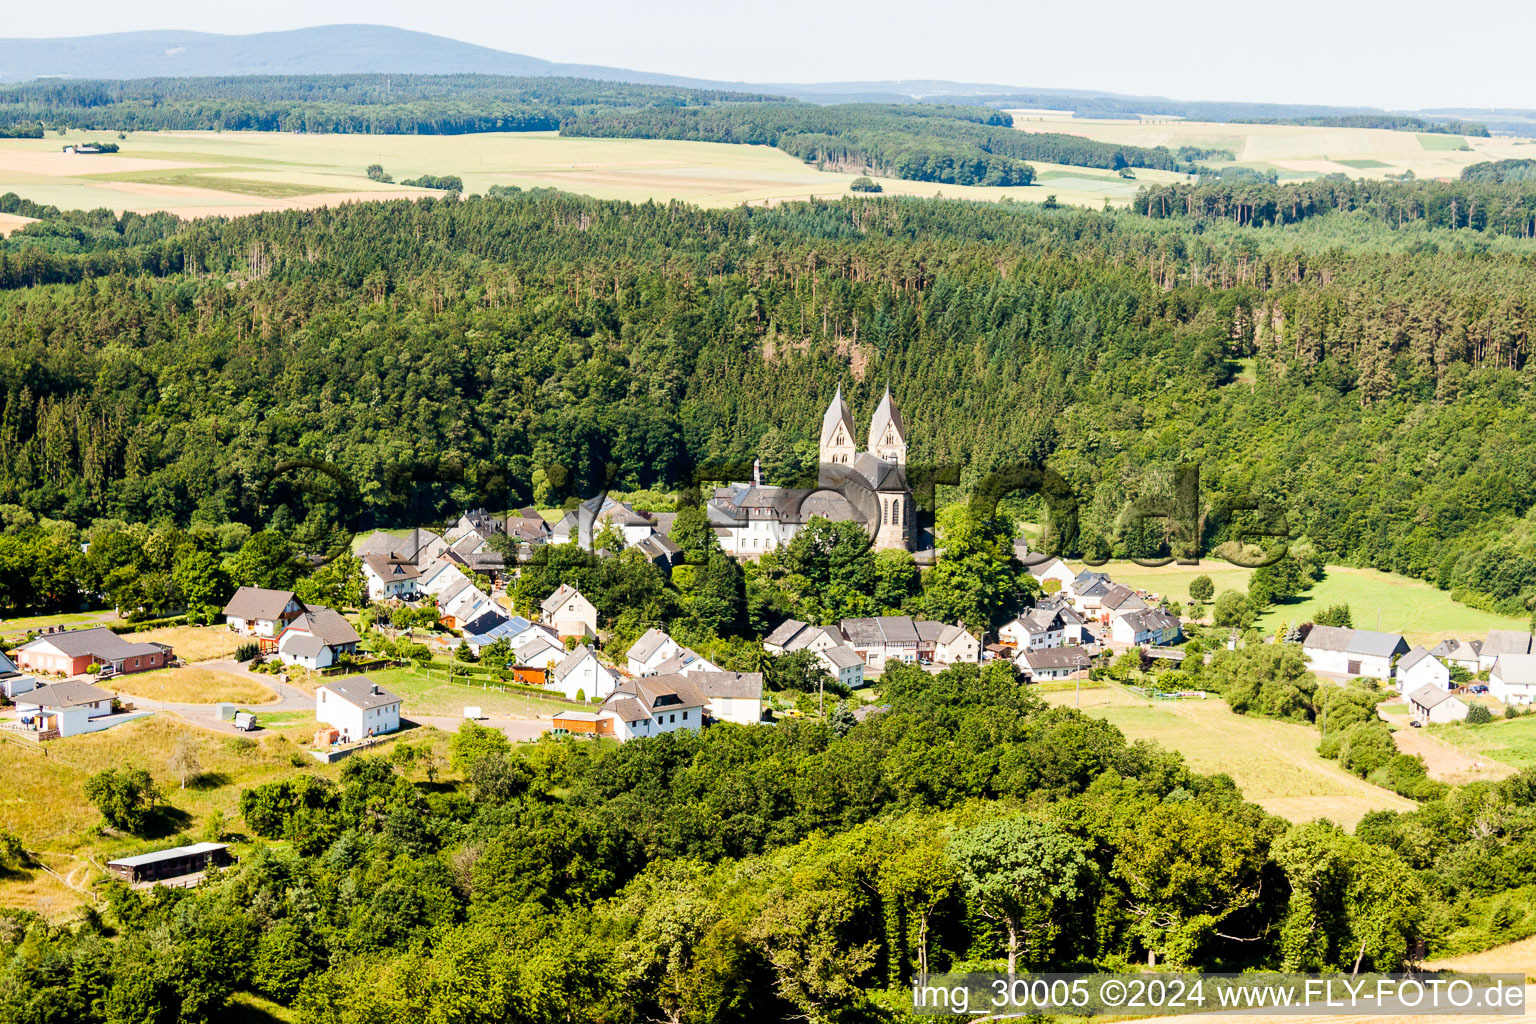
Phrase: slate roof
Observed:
(562, 594)
(327, 624)
(1039, 569)
(1118, 595)
(837, 412)
(1056, 658)
(1377, 645)
(1328, 638)
(361, 692)
(679, 661)
(70, 693)
(1412, 658)
(258, 603)
(580, 653)
(784, 632)
(1519, 669)
(1429, 695)
(649, 643)
(951, 633)
(391, 568)
(1506, 641)
(300, 645)
(662, 693)
(886, 414)
(882, 631)
(842, 657)
(726, 685)
(1455, 650)
(97, 642)
(1149, 619)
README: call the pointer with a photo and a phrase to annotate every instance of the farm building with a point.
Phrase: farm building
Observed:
(1513, 678)
(1418, 668)
(73, 652)
(1352, 652)
(1436, 704)
(173, 863)
(357, 707)
(1500, 642)
(1457, 652)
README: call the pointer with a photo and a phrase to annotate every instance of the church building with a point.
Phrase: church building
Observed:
(867, 487)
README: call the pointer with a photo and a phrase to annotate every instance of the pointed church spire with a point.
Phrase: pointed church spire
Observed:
(837, 415)
(887, 432)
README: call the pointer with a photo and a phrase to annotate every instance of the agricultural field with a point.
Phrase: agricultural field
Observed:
(1422, 613)
(191, 686)
(44, 803)
(204, 174)
(1275, 764)
(1293, 151)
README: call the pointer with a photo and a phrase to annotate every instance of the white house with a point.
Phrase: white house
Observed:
(843, 664)
(12, 680)
(1513, 678)
(389, 577)
(69, 707)
(1034, 629)
(582, 677)
(794, 635)
(1144, 626)
(262, 613)
(357, 707)
(570, 613)
(537, 648)
(653, 648)
(1418, 668)
(728, 696)
(685, 663)
(1046, 663)
(650, 706)
(1052, 570)
(956, 645)
(1457, 652)
(1352, 652)
(1436, 704)
(878, 640)
(1501, 642)
(317, 639)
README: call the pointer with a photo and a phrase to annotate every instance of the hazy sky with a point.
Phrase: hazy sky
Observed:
(1411, 53)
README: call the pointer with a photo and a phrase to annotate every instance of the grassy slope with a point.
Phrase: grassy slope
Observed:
(1511, 741)
(432, 694)
(1275, 764)
(1417, 610)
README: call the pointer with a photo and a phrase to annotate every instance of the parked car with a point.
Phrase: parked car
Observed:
(1479, 687)
(1416, 723)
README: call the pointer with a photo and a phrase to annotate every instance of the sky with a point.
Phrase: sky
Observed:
(1409, 54)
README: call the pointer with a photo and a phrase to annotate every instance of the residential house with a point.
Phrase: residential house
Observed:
(728, 696)
(878, 640)
(12, 680)
(317, 639)
(419, 547)
(640, 530)
(653, 705)
(1418, 668)
(582, 677)
(1457, 653)
(653, 648)
(1501, 642)
(1034, 629)
(463, 606)
(1145, 626)
(1436, 704)
(529, 530)
(476, 554)
(73, 652)
(1050, 571)
(793, 635)
(1513, 678)
(569, 613)
(1084, 582)
(843, 664)
(1045, 663)
(538, 647)
(684, 663)
(1352, 652)
(390, 577)
(68, 708)
(953, 645)
(261, 613)
(357, 707)
(476, 520)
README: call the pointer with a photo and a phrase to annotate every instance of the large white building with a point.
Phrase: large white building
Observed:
(867, 487)
(357, 708)
(1513, 678)
(653, 705)
(1353, 652)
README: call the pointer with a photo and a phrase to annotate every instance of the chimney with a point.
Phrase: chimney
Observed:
(757, 472)
(373, 688)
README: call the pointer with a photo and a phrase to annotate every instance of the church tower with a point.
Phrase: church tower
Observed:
(887, 433)
(837, 439)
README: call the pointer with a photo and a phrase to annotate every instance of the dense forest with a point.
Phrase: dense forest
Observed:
(1390, 122)
(806, 871)
(370, 104)
(1478, 204)
(960, 145)
(1500, 171)
(540, 346)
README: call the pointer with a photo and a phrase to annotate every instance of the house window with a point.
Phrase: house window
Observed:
(672, 718)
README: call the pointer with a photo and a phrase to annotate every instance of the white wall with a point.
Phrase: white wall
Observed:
(590, 677)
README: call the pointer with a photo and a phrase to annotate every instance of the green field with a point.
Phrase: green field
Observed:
(1437, 143)
(1511, 741)
(1275, 764)
(432, 694)
(1422, 613)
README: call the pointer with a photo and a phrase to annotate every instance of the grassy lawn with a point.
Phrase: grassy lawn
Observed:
(1275, 764)
(430, 693)
(191, 686)
(21, 626)
(1412, 607)
(45, 806)
(193, 643)
(1512, 741)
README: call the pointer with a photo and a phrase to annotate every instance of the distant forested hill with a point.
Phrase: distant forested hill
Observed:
(1499, 171)
(481, 342)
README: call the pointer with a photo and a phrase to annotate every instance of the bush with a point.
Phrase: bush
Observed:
(864, 184)
(247, 652)
(1478, 714)
(446, 182)
(376, 173)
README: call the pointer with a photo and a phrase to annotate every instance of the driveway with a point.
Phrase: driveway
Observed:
(515, 729)
(1444, 762)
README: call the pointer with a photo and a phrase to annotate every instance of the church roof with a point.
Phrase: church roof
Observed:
(886, 415)
(837, 412)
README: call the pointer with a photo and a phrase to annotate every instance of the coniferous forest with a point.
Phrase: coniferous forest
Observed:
(387, 364)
